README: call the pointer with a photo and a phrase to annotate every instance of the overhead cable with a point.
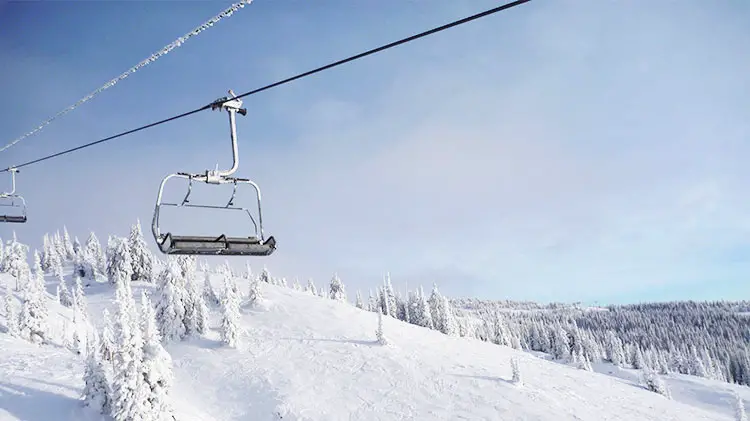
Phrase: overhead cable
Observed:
(284, 81)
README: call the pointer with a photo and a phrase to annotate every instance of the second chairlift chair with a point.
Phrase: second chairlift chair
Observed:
(19, 219)
(220, 245)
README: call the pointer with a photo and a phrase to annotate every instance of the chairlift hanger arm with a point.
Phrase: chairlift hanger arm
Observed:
(12, 191)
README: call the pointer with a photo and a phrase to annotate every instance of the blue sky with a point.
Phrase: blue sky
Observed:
(568, 150)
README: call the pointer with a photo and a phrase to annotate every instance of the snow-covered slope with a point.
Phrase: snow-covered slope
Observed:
(303, 357)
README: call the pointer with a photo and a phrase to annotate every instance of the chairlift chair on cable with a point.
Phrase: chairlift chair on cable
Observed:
(220, 245)
(16, 202)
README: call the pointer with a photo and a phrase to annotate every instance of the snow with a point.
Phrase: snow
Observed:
(305, 357)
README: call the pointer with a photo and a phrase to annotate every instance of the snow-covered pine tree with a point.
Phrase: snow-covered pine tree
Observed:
(379, 333)
(119, 266)
(15, 262)
(372, 302)
(157, 364)
(77, 248)
(389, 296)
(230, 314)
(57, 244)
(209, 295)
(265, 276)
(11, 315)
(583, 361)
(190, 294)
(67, 246)
(80, 298)
(34, 312)
(296, 285)
(130, 393)
(77, 345)
(311, 287)
(97, 257)
(514, 365)
(96, 390)
(697, 368)
(65, 298)
(436, 303)
(739, 408)
(107, 344)
(449, 326)
(654, 382)
(46, 253)
(255, 294)
(358, 300)
(170, 307)
(141, 259)
(423, 316)
(248, 274)
(337, 290)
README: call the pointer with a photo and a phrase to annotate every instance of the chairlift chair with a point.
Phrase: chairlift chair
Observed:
(220, 245)
(5, 217)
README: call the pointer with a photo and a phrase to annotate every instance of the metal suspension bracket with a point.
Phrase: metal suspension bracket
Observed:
(233, 105)
(13, 171)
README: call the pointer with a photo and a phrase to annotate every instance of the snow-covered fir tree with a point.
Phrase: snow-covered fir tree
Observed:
(97, 257)
(107, 342)
(141, 259)
(311, 287)
(379, 333)
(97, 393)
(388, 300)
(450, 326)
(358, 301)
(11, 314)
(372, 303)
(46, 253)
(119, 266)
(64, 296)
(209, 295)
(336, 289)
(170, 305)
(422, 313)
(34, 312)
(255, 294)
(80, 298)
(265, 275)
(515, 367)
(157, 365)
(739, 408)
(654, 382)
(68, 249)
(130, 392)
(230, 314)
(190, 295)
(15, 262)
(248, 274)
(77, 345)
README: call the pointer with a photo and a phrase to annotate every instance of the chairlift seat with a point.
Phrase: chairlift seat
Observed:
(216, 246)
(11, 218)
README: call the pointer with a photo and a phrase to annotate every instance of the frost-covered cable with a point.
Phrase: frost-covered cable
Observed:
(178, 42)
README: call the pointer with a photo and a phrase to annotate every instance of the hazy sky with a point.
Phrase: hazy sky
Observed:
(563, 150)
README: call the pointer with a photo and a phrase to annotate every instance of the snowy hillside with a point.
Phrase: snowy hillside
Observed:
(309, 358)
(91, 330)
